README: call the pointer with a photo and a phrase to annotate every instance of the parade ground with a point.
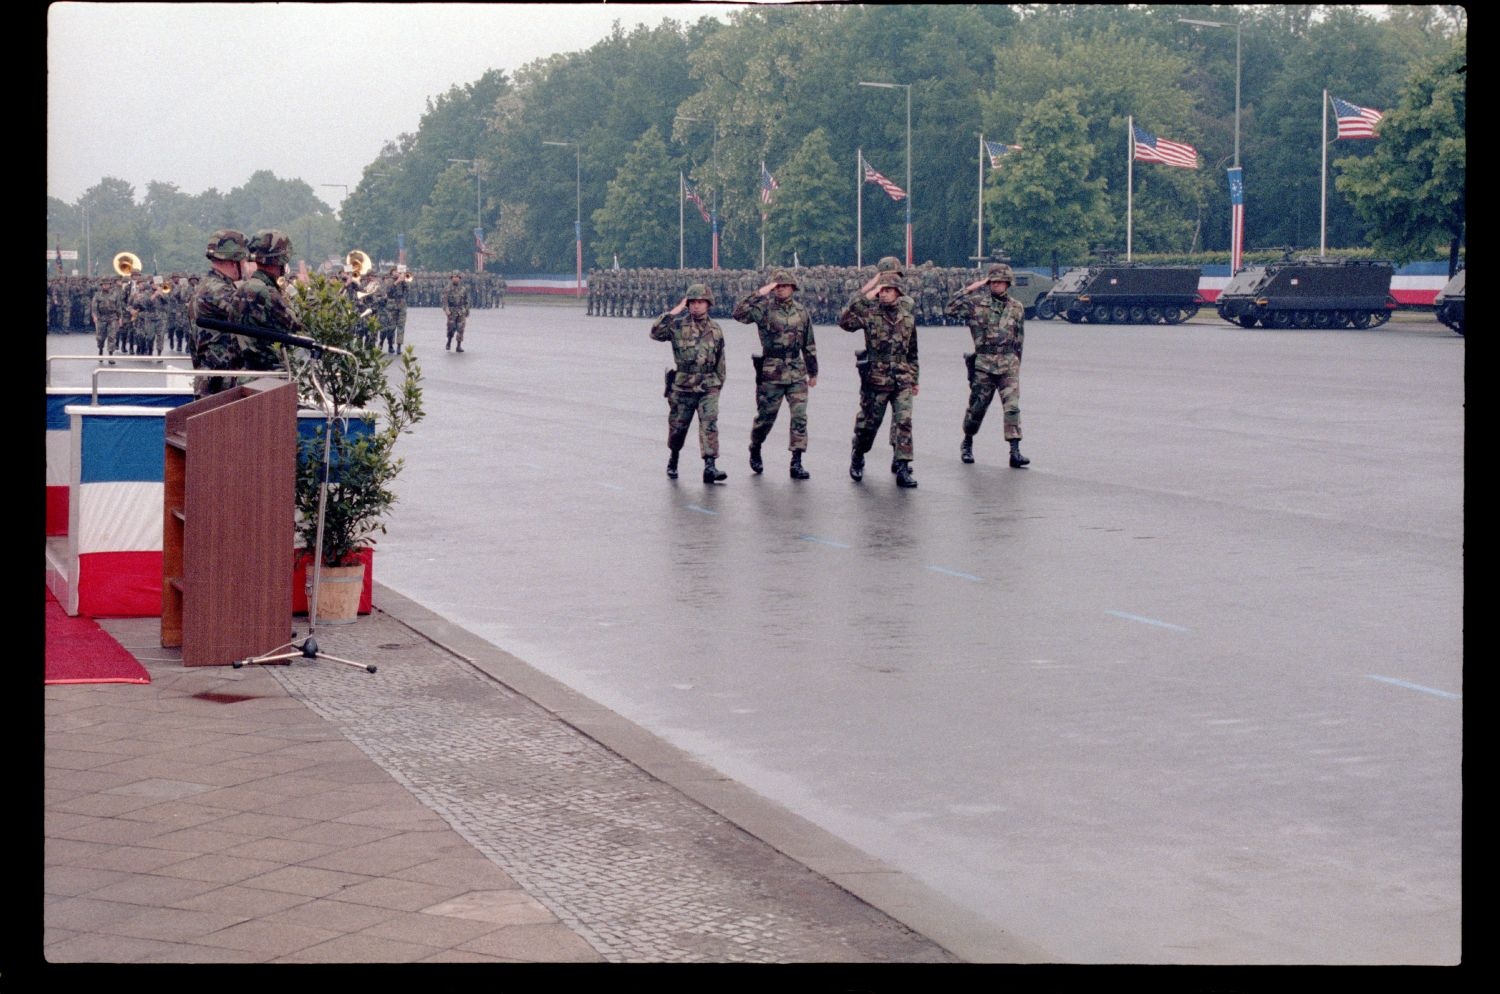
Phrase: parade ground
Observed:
(1186, 690)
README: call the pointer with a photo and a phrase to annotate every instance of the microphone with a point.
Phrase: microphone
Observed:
(268, 335)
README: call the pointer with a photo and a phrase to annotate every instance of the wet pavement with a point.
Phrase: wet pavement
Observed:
(1187, 690)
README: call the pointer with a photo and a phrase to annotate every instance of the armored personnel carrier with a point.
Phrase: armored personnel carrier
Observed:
(1309, 293)
(1450, 303)
(1124, 293)
(1030, 288)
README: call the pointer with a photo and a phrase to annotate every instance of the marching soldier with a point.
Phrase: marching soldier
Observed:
(397, 294)
(998, 323)
(106, 315)
(888, 372)
(693, 385)
(786, 367)
(456, 308)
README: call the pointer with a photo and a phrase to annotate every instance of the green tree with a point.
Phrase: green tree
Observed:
(1044, 198)
(444, 234)
(638, 222)
(808, 219)
(1411, 189)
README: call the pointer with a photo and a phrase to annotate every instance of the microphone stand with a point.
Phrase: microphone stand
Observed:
(309, 648)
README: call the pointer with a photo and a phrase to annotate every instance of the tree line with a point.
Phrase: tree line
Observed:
(707, 102)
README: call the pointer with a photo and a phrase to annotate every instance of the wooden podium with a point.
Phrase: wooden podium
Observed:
(228, 523)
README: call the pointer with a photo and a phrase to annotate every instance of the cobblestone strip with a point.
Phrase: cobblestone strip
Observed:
(641, 872)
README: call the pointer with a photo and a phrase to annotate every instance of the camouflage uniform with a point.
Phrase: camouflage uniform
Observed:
(155, 313)
(106, 313)
(789, 355)
(216, 297)
(698, 352)
(396, 295)
(998, 324)
(456, 307)
(889, 369)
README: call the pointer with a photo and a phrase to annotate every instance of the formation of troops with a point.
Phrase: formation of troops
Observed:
(888, 366)
(70, 300)
(641, 293)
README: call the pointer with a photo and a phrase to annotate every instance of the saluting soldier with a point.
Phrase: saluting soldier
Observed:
(998, 323)
(888, 371)
(786, 367)
(693, 385)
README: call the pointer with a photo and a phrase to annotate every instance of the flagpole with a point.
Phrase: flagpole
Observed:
(859, 208)
(681, 187)
(763, 218)
(1129, 184)
(1323, 179)
(979, 244)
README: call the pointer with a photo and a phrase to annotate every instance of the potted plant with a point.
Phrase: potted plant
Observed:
(368, 405)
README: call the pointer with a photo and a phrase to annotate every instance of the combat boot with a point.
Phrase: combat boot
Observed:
(903, 474)
(1016, 459)
(756, 465)
(449, 344)
(712, 473)
(895, 465)
(966, 450)
(857, 466)
(798, 473)
(672, 465)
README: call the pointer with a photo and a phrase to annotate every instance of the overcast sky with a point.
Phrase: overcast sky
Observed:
(203, 95)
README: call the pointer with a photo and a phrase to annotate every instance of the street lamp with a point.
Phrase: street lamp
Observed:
(1237, 221)
(718, 179)
(478, 225)
(577, 206)
(907, 87)
(342, 186)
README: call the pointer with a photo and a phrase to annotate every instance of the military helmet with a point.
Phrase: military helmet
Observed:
(1000, 271)
(890, 264)
(891, 280)
(271, 247)
(782, 277)
(699, 291)
(227, 245)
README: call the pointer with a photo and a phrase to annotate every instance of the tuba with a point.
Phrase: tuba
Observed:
(126, 263)
(358, 262)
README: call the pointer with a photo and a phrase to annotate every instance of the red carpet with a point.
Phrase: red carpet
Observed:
(79, 651)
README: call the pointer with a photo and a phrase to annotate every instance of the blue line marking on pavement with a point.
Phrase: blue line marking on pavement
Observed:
(961, 576)
(1415, 686)
(823, 541)
(700, 510)
(1148, 621)
(609, 486)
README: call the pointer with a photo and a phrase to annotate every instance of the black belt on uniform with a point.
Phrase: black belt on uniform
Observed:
(781, 353)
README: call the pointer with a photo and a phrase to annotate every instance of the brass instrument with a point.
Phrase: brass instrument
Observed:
(359, 262)
(126, 263)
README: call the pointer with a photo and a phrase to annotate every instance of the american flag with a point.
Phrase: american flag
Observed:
(871, 176)
(1354, 122)
(691, 193)
(1149, 148)
(998, 149)
(479, 245)
(768, 184)
(1236, 218)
